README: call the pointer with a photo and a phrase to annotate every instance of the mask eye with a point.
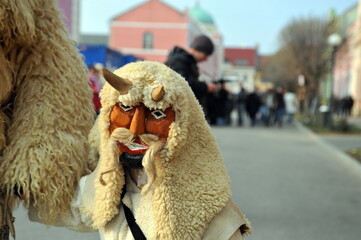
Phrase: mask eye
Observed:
(125, 108)
(158, 114)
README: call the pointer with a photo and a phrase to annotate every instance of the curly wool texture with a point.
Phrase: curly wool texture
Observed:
(45, 141)
(191, 184)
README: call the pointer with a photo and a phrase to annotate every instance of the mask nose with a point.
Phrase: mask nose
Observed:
(137, 126)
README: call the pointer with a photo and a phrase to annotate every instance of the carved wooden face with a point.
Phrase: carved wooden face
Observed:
(141, 120)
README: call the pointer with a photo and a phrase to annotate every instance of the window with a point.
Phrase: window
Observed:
(148, 40)
(241, 62)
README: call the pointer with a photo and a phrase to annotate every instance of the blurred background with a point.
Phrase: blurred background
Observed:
(287, 111)
(261, 44)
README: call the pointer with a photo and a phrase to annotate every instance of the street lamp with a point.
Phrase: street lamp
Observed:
(334, 40)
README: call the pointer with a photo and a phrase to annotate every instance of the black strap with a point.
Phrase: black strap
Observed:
(134, 228)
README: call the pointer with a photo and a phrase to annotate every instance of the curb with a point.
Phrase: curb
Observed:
(345, 159)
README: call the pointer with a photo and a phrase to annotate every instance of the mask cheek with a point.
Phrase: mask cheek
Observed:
(158, 128)
(119, 118)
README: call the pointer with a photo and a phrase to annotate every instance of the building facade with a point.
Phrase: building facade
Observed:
(355, 85)
(347, 63)
(151, 29)
(202, 22)
(241, 66)
(71, 13)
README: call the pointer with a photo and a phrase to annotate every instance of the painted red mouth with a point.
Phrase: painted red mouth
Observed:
(136, 146)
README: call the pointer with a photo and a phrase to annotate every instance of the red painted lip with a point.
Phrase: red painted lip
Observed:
(136, 146)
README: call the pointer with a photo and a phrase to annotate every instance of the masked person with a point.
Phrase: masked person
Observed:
(160, 174)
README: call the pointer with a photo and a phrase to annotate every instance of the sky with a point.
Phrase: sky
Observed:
(242, 23)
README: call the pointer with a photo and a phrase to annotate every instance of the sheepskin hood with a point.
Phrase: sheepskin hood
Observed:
(191, 184)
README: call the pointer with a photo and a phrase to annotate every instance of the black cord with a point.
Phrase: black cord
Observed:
(133, 226)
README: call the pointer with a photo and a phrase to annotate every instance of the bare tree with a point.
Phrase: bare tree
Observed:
(281, 69)
(305, 39)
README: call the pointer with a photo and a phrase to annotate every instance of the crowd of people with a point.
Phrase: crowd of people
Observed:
(267, 108)
(262, 108)
(344, 106)
(218, 103)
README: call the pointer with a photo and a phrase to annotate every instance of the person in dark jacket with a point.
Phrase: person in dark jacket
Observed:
(253, 103)
(241, 102)
(223, 105)
(184, 62)
(279, 106)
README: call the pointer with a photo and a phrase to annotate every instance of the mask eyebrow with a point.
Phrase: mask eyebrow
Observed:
(126, 108)
(158, 114)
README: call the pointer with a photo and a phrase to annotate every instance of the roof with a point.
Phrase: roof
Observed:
(94, 39)
(241, 56)
(201, 15)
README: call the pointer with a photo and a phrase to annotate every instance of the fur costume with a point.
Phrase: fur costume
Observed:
(187, 191)
(45, 109)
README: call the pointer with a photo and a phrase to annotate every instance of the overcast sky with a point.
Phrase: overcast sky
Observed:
(242, 23)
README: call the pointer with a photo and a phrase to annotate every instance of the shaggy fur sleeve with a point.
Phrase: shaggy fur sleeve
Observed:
(47, 148)
(72, 218)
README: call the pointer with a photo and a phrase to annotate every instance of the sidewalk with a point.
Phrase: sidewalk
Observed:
(355, 121)
(344, 142)
(331, 144)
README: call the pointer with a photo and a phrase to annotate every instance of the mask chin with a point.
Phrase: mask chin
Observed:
(132, 160)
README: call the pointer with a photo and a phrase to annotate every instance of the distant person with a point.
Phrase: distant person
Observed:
(253, 104)
(343, 106)
(279, 107)
(95, 85)
(99, 67)
(291, 105)
(223, 105)
(184, 62)
(348, 105)
(241, 103)
(268, 107)
(212, 98)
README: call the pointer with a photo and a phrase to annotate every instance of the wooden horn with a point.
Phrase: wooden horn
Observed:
(158, 93)
(121, 84)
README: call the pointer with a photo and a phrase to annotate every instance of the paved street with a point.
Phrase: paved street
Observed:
(289, 183)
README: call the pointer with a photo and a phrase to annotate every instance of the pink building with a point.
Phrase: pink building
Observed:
(343, 71)
(150, 30)
(347, 73)
(70, 10)
(356, 68)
